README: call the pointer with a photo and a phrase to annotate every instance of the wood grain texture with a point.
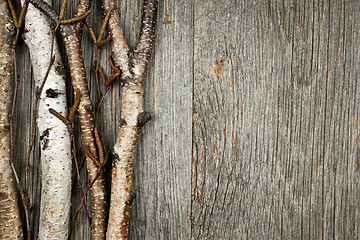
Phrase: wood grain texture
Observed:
(256, 122)
(276, 114)
(163, 169)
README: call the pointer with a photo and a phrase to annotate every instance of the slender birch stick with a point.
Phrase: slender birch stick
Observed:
(71, 34)
(10, 223)
(133, 116)
(87, 124)
(54, 135)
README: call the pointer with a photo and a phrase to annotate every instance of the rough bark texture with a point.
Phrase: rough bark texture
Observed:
(72, 38)
(10, 223)
(273, 121)
(87, 124)
(119, 46)
(56, 160)
(133, 116)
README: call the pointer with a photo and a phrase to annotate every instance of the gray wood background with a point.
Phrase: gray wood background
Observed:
(256, 120)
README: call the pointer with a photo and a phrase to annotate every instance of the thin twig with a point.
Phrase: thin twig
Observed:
(23, 192)
(83, 199)
(70, 125)
(35, 113)
(72, 133)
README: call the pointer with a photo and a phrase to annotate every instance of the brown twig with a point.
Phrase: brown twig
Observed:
(89, 187)
(78, 173)
(80, 167)
(107, 82)
(83, 199)
(23, 192)
(10, 222)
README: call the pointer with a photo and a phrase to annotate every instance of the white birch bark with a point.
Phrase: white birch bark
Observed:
(71, 34)
(133, 116)
(54, 134)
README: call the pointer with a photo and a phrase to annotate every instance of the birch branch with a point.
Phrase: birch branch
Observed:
(54, 139)
(71, 34)
(10, 223)
(133, 116)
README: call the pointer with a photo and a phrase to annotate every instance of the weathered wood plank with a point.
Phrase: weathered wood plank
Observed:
(276, 112)
(163, 173)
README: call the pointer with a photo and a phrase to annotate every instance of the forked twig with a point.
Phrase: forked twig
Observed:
(133, 116)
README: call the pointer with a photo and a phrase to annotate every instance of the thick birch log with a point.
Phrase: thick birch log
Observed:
(54, 135)
(10, 223)
(133, 116)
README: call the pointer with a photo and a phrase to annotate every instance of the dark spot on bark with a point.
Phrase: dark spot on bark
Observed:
(141, 51)
(116, 157)
(143, 119)
(137, 92)
(51, 93)
(44, 138)
(122, 122)
(126, 80)
(3, 196)
(124, 225)
(45, 143)
(132, 197)
(88, 106)
(60, 70)
(45, 134)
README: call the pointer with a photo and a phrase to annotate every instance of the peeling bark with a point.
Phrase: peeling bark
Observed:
(56, 161)
(10, 223)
